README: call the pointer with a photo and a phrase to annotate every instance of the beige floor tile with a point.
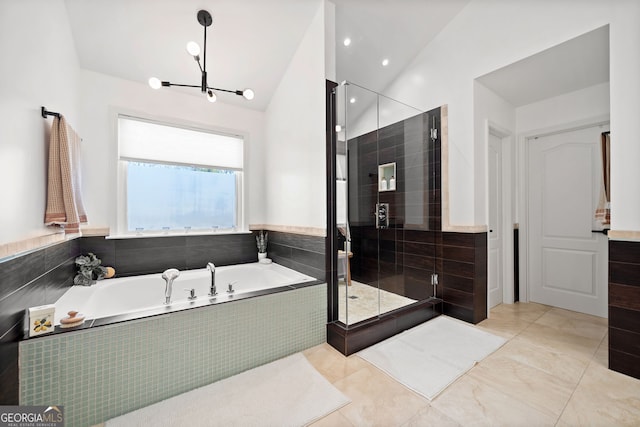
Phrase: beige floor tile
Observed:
(471, 402)
(575, 323)
(568, 368)
(378, 400)
(504, 326)
(335, 419)
(604, 398)
(561, 341)
(538, 389)
(529, 311)
(602, 354)
(331, 363)
(430, 416)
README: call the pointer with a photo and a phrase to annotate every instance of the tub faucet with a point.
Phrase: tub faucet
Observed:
(169, 276)
(212, 268)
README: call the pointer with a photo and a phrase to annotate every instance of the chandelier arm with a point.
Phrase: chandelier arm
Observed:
(203, 69)
(180, 85)
(199, 65)
(237, 92)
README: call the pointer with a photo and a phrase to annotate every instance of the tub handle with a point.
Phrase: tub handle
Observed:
(192, 294)
(231, 290)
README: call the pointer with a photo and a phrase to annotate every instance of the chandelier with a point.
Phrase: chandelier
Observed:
(204, 18)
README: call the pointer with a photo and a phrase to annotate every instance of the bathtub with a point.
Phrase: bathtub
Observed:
(112, 297)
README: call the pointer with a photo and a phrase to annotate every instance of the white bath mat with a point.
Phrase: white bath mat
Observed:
(433, 355)
(287, 392)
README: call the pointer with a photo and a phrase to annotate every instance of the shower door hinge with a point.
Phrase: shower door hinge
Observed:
(434, 282)
(434, 133)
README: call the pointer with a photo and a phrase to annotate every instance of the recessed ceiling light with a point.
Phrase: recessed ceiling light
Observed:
(352, 100)
(347, 41)
(385, 62)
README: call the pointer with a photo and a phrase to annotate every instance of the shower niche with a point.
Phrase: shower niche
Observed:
(383, 161)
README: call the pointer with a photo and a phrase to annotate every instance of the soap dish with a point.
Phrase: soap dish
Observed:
(74, 319)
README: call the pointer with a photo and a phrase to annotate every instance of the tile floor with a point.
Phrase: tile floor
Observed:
(551, 372)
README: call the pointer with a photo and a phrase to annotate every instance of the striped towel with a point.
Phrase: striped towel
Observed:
(603, 210)
(64, 201)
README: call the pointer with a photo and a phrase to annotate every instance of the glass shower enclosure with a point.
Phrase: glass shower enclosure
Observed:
(387, 204)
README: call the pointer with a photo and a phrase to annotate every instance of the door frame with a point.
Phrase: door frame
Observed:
(507, 174)
(522, 155)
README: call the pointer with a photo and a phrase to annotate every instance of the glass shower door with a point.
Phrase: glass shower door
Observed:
(382, 187)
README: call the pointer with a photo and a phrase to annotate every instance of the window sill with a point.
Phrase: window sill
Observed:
(174, 234)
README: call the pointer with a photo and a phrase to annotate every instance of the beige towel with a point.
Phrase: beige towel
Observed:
(603, 211)
(64, 201)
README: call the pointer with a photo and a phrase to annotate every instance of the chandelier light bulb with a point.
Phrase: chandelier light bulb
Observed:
(155, 83)
(248, 94)
(211, 97)
(193, 48)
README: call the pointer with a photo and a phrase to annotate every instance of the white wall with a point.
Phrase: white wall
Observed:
(573, 107)
(489, 108)
(102, 96)
(489, 34)
(39, 67)
(295, 153)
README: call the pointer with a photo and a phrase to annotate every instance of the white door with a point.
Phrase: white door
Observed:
(567, 261)
(494, 277)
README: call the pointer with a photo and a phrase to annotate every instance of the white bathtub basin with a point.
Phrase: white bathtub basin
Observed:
(138, 293)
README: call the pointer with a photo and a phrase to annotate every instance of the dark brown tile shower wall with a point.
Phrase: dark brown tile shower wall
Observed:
(624, 307)
(391, 258)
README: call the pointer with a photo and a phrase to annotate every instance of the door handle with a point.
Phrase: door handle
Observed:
(605, 231)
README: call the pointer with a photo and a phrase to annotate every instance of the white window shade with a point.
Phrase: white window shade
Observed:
(141, 140)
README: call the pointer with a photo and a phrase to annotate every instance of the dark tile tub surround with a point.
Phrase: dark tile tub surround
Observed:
(624, 307)
(36, 278)
(137, 256)
(302, 253)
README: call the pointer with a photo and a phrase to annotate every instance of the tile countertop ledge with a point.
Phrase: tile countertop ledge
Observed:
(293, 229)
(174, 234)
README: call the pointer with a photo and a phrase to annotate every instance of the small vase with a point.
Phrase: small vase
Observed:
(262, 255)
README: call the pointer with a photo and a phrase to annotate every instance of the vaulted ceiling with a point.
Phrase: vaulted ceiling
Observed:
(251, 43)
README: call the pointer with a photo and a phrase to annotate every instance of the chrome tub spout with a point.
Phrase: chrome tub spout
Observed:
(212, 289)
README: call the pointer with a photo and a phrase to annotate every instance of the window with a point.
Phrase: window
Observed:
(177, 179)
